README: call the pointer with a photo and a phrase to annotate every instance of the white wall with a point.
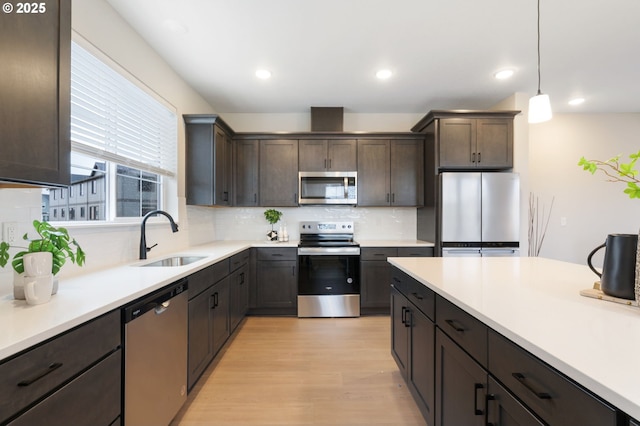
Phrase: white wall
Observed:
(591, 206)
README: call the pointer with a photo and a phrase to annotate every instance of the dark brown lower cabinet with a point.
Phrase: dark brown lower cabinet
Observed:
(209, 326)
(276, 281)
(220, 314)
(72, 379)
(89, 400)
(239, 295)
(375, 275)
(461, 385)
(412, 346)
(503, 409)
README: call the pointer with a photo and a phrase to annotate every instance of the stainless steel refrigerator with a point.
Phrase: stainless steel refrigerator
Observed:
(480, 214)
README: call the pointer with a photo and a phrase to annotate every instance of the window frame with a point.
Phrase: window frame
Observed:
(167, 196)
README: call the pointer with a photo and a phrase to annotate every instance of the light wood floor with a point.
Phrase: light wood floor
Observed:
(290, 371)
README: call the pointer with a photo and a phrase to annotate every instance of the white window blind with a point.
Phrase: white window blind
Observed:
(115, 120)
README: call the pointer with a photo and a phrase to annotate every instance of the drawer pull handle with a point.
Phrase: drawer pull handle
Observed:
(523, 381)
(455, 325)
(476, 387)
(402, 314)
(491, 397)
(406, 319)
(49, 370)
(418, 296)
(276, 254)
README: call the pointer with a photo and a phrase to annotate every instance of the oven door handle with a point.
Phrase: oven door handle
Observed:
(329, 251)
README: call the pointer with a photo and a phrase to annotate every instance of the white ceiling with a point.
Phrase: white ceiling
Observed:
(443, 53)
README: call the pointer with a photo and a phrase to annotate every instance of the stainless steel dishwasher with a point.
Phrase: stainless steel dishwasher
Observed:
(155, 361)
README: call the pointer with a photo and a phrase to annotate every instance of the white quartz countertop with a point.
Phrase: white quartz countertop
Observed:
(535, 302)
(88, 296)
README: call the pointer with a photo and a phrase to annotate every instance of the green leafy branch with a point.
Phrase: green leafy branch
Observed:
(617, 171)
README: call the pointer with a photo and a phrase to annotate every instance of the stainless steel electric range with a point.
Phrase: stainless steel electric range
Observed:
(329, 270)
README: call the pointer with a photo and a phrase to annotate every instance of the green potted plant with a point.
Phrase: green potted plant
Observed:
(272, 216)
(51, 239)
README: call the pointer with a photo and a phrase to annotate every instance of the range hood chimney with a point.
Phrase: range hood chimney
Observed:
(327, 119)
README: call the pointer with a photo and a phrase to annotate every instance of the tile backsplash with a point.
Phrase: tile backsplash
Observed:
(379, 223)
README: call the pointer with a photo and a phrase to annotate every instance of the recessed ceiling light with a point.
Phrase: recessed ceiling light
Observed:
(504, 74)
(576, 101)
(384, 74)
(263, 74)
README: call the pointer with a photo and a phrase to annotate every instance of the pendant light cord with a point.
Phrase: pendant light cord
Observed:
(539, 93)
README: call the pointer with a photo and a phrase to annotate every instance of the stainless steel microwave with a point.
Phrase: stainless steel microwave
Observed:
(328, 188)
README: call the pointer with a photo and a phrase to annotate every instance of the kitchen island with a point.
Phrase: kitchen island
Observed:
(535, 303)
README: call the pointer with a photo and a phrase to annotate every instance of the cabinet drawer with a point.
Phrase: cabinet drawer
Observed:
(237, 260)
(280, 253)
(552, 396)
(91, 399)
(377, 253)
(463, 328)
(415, 251)
(400, 280)
(423, 297)
(40, 370)
(201, 280)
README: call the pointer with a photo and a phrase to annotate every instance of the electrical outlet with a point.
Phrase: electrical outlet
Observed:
(563, 221)
(9, 230)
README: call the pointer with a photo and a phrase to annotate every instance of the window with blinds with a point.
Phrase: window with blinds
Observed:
(123, 142)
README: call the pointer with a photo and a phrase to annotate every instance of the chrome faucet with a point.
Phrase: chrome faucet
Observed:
(143, 239)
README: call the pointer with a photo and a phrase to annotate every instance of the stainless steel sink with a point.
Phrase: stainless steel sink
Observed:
(175, 261)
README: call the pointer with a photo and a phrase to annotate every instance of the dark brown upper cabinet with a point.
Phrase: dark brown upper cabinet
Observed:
(470, 139)
(279, 172)
(35, 83)
(209, 159)
(247, 161)
(320, 155)
(390, 172)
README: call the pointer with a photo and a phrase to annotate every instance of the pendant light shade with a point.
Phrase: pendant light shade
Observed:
(539, 108)
(539, 105)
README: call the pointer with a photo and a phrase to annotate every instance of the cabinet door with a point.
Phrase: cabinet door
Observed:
(239, 296)
(313, 156)
(421, 375)
(400, 331)
(461, 385)
(219, 302)
(494, 143)
(200, 332)
(505, 410)
(375, 280)
(35, 93)
(222, 164)
(246, 173)
(457, 142)
(277, 284)
(342, 155)
(407, 171)
(373, 173)
(279, 173)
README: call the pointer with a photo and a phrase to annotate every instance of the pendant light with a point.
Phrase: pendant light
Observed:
(539, 105)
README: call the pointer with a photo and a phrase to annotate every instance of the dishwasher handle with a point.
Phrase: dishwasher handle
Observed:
(158, 301)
